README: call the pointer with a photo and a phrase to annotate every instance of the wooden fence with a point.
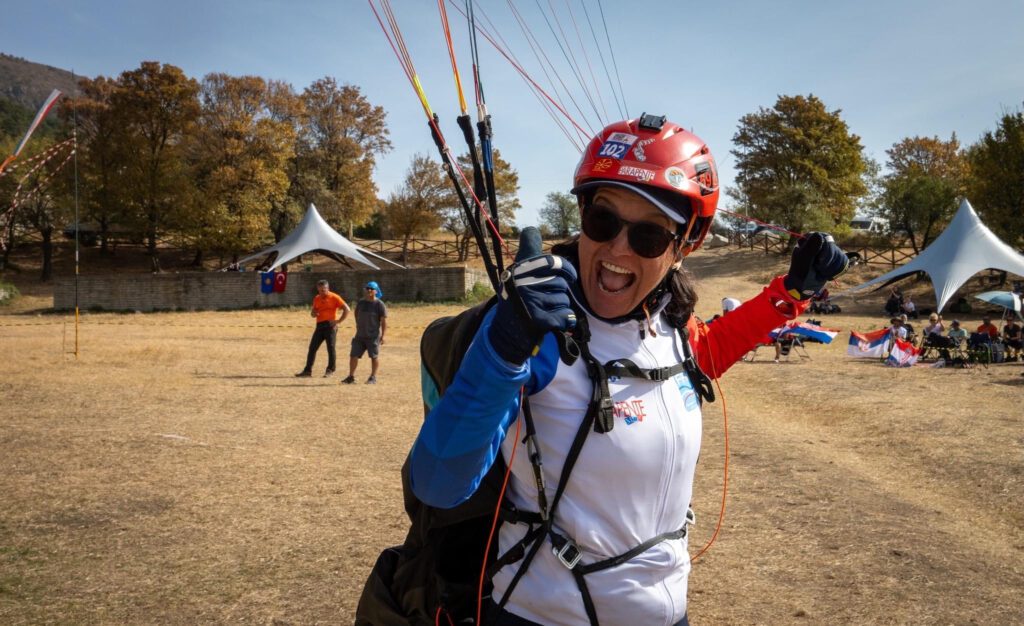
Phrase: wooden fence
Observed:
(437, 251)
(772, 243)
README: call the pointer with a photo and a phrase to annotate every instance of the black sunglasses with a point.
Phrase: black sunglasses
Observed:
(647, 239)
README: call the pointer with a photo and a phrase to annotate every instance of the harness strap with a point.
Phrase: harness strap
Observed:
(563, 480)
(579, 572)
(624, 368)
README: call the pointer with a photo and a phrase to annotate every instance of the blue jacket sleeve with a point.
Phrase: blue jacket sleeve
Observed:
(462, 434)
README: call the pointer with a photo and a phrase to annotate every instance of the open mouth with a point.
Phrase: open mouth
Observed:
(613, 278)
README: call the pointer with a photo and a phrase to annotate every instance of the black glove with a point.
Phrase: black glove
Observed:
(816, 260)
(534, 300)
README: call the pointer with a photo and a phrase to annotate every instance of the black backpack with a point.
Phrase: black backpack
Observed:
(438, 566)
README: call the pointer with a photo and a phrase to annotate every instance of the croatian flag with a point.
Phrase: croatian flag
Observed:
(903, 354)
(871, 345)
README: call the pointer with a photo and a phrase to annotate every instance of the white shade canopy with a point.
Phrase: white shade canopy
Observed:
(313, 234)
(965, 248)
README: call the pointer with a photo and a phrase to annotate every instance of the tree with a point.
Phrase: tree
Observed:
(285, 106)
(561, 213)
(996, 184)
(342, 135)
(239, 155)
(103, 158)
(798, 165)
(158, 106)
(506, 182)
(415, 209)
(44, 201)
(919, 194)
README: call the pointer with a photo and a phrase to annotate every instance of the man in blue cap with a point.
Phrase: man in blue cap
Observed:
(371, 323)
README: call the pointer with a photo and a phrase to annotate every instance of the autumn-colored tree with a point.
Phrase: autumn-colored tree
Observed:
(415, 209)
(506, 182)
(921, 190)
(102, 157)
(996, 183)
(239, 155)
(158, 106)
(798, 165)
(342, 135)
(561, 213)
(287, 107)
(43, 201)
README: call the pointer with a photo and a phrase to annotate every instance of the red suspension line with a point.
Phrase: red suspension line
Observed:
(570, 57)
(579, 142)
(410, 72)
(584, 133)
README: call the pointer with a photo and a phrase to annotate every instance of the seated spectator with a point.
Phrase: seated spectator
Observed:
(728, 305)
(893, 305)
(898, 330)
(909, 308)
(934, 326)
(1012, 338)
(957, 334)
(988, 327)
(908, 329)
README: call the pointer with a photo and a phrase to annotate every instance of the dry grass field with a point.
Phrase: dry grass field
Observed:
(177, 473)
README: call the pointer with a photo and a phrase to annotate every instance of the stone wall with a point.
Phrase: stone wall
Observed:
(239, 290)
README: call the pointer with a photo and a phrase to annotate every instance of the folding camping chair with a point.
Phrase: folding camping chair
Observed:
(979, 348)
(788, 344)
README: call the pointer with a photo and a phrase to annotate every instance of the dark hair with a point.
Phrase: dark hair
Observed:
(678, 281)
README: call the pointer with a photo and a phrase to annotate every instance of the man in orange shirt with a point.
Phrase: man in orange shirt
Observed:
(988, 328)
(325, 309)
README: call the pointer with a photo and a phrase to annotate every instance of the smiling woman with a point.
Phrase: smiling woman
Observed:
(594, 352)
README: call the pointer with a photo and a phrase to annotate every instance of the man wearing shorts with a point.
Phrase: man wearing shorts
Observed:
(371, 322)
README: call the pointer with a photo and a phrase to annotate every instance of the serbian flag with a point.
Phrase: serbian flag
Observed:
(871, 345)
(280, 282)
(903, 354)
(267, 282)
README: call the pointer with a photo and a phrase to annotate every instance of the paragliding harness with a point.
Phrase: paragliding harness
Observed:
(437, 569)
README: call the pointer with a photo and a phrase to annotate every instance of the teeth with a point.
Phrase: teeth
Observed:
(615, 268)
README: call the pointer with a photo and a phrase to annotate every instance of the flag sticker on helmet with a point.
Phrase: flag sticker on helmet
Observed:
(617, 145)
(603, 165)
(643, 175)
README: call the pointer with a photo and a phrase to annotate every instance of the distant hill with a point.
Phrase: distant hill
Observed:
(27, 84)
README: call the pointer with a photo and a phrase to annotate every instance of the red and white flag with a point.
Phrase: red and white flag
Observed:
(280, 281)
(902, 354)
(50, 101)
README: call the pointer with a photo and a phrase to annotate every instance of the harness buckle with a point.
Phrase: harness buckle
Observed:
(569, 554)
(658, 375)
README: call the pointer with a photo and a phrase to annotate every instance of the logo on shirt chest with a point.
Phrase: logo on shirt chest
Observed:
(632, 411)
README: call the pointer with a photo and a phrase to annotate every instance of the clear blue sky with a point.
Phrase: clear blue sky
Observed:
(896, 69)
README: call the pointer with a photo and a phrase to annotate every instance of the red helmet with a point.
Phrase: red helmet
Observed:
(669, 166)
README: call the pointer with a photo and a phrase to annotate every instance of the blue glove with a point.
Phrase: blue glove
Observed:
(534, 300)
(816, 260)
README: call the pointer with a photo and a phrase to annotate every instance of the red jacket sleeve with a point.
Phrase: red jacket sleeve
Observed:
(719, 345)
